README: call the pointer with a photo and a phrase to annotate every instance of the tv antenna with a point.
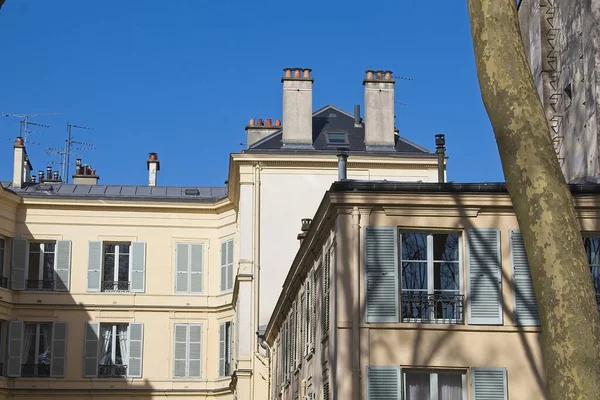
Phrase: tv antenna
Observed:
(25, 124)
(72, 145)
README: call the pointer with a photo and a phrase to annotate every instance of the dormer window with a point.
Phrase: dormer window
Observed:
(337, 138)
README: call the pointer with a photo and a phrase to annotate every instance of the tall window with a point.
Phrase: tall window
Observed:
(188, 351)
(37, 349)
(430, 268)
(439, 385)
(592, 250)
(115, 274)
(113, 350)
(227, 265)
(40, 270)
(3, 279)
(225, 348)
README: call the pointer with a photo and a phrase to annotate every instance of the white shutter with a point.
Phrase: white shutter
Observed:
(18, 264)
(135, 335)
(196, 268)
(223, 266)
(195, 351)
(15, 343)
(326, 291)
(313, 311)
(59, 349)
(182, 276)
(222, 348)
(383, 383)
(230, 264)
(62, 266)
(484, 295)
(489, 384)
(525, 303)
(180, 351)
(94, 270)
(381, 274)
(138, 267)
(90, 350)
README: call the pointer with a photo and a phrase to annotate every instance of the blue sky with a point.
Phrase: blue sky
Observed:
(183, 77)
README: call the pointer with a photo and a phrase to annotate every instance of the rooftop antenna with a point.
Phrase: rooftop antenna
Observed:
(25, 123)
(69, 147)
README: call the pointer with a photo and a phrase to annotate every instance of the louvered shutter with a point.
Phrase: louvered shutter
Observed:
(195, 351)
(381, 274)
(180, 351)
(223, 266)
(326, 291)
(313, 311)
(182, 277)
(222, 349)
(383, 383)
(59, 349)
(489, 384)
(15, 344)
(197, 268)
(293, 337)
(18, 264)
(138, 267)
(94, 271)
(62, 266)
(90, 351)
(230, 264)
(485, 277)
(135, 335)
(526, 307)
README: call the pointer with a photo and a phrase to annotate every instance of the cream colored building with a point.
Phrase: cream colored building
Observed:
(414, 292)
(159, 291)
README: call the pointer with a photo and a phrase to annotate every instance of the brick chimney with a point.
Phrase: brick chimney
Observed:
(297, 108)
(153, 167)
(21, 165)
(379, 110)
(84, 174)
(258, 129)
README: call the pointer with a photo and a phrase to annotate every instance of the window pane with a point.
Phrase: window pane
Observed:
(121, 345)
(48, 266)
(417, 386)
(414, 246)
(109, 267)
(446, 276)
(123, 267)
(596, 278)
(45, 344)
(34, 247)
(123, 248)
(49, 247)
(29, 356)
(109, 248)
(34, 267)
(106, 345)
(414, 275)
(592, 248)
(445, 247)
(449, 386)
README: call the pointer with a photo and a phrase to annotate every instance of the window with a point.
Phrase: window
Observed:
(3, 279)
(227, 265)
(189, 268)
(112, 362)
(430, 276)
(337, 138)
(115, 271)
(188, 351)
(37, 350)
(592, 250)
(225, 348)
(439, 385)
(40, 269)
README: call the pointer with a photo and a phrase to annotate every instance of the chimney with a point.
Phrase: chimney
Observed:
(297, 108)
(20, 163)
(153, 167)
(51, 176)
(440, 149)
(357, 119)
(84, 174)
(304, 230)
(257, 129)
(342, 164)
(379, 111)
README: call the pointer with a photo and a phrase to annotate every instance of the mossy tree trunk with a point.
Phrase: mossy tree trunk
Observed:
(542, 202)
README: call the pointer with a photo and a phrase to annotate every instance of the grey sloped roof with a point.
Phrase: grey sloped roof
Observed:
(120, 192)
(332, 119)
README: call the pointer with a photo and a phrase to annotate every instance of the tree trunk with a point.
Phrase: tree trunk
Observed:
(542, 203)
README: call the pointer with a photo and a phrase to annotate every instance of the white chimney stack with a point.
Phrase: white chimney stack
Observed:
(153, 168)
(379, 111)
(258, 129)
(297, 108)
(20, 164)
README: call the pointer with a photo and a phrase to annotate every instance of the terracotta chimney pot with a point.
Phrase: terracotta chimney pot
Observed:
(296, 74)
(277, 122)
(269, 122)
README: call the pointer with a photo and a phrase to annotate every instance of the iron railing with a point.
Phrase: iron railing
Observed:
(115, 286)
(35, 370)
(439, 308)
(4, 282)
(112, 371)
(39, 285)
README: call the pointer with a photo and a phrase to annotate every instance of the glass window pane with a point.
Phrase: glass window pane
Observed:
(33, 273)
(49, 247)
(449, 386)
(123, 267)
(109, 267)
(596, 278)
(29, 356)
(105, 357)
(446, 276)
(414, 246)
(45, 352)
(109, 248)
(417, 386)
(123, 248)
(414, 275)
(592, 249)
(445, 247)
(34, 247)
(48, 267)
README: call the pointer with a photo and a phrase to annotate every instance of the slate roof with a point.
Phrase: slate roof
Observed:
(121, 192)
(332, 119)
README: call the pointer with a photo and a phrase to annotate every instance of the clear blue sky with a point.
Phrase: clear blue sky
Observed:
(183, 77)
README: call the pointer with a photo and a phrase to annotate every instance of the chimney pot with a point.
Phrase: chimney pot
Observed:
(379, 75)
(32, 179)
(296, 74)
(41, 176)
(440, 149)
(251, 123)
(342, 164)
(388, 75)
(49, 173)
(56, 176)
(288, 73)
(269, 122)
(277, 122)
(19, 142)
(153, 166)
(306, 224)
(306, 73)
(369, 75)
(357, 115)
(153, 156)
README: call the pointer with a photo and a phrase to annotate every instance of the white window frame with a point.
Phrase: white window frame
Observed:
(430, 269)
(187, 350)
(433, 380)
(228, 348)
(37, 341)
(228, 287)
(42, 253)
(116, 266)
(114, 343)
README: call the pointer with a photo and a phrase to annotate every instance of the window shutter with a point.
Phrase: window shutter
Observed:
(94, 267)
(18, 265)
(195, 351)
(59, 349)
(223, 266)
(326, 291)
(182, 268)
(62, 266)
(138, 267)
(180, 351)
(90, 351)
(293, 337)
(489, 383)
(485, 277)
(383, 383)
(382, 274)
(230, 264)
(313, 311)
(136, 348)
(526, 308)
(197, 268)
(15, 343)
(222, 349)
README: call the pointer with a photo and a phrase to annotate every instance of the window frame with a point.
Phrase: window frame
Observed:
(229, 285)
(2, 255)
(228, 356)
(337, 138)
(36, 348)
(40, 275)
(433, 380)
(113, 336)
(189, 271)
(116, 254)
(187, 350)
(591, 266)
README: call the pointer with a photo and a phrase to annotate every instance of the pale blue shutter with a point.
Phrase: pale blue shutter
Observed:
(138, 267)
(312, 311)
(222, 348)
(485, 277)
(230, 264)
(180, 351)
(195, 351)
(15, 344)
(223, 266)
(94, 270)
(18, 264)
(489, 384)
(90, 350)
(381, 274)
(59, 349)
(526, 308)
(383, 383)
(182, 275)
(326, 291)
(136, 348)
(62, 267)
(197, 269)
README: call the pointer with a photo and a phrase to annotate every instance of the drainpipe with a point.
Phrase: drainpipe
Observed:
(256, 296)
(342, 164)
(356, 368)
(440, 149)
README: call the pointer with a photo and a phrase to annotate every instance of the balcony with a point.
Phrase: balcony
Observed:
(39, 285)
(35, 370)
(439, 308)
(4, 282)
(115, 286)
(112, 371)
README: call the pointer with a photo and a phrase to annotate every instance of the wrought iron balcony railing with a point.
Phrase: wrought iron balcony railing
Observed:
(115, 286)
(112, 371)
(35, 370)
(4, 282)
(439, 308)
(39, 285)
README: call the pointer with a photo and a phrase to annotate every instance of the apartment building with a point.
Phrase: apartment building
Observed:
(414, 292)
(117, 291)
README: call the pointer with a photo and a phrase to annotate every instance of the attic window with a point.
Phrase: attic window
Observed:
(192, 192)
(337, 138)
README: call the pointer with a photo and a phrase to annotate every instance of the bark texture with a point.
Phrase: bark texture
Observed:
(542, 202)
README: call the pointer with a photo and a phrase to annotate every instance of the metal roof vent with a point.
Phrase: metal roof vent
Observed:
(192, 192)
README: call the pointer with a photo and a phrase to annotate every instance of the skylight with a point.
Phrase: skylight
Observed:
(337, 138)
